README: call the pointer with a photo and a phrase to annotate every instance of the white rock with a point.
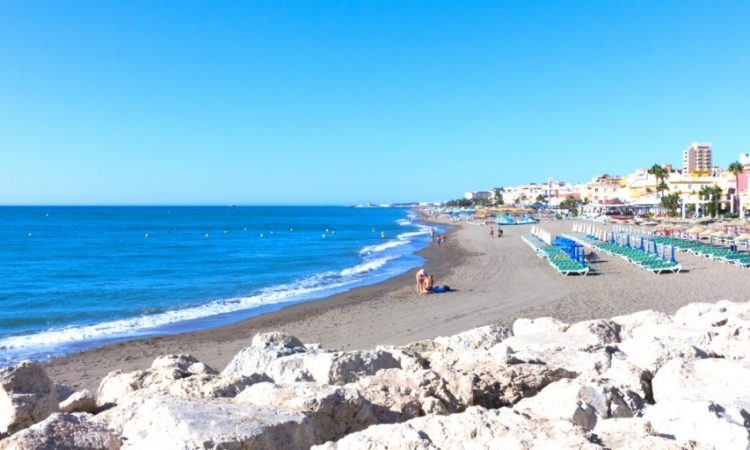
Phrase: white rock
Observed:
(476, 339)
(398, 395)
(276, 339)
(570, 400)
(635, 433)
(476, 428)
(607, 331)
(81, 401)
(721, 381)
(147, 421)
(62, 431)
(231, 386)
(549, 341)
(630, 322)
(653, 345)
(117, 385)
(331, 410)
(710, 425)
(539, 325)
(256, 360)
(27, 396)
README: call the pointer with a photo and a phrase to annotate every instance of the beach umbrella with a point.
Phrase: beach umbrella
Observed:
(674, 261)
(641, 243)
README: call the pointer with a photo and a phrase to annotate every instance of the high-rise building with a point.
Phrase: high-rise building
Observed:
(697, 158)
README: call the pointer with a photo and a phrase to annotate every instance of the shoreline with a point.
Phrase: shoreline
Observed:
(493, 281)
(84, 369)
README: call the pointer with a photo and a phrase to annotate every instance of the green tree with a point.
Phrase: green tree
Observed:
(713, 195)
(736, 168)
(671, 202)
(498, 196)
(661, 174)
(570, 204)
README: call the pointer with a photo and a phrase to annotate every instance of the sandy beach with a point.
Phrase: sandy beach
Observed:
(494, 281)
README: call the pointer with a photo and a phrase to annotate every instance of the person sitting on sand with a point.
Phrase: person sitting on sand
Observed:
(421, 277)
(429, 282)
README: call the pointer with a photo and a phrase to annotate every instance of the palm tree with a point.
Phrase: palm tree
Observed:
(713, 195)
(736, 168)
(661, 174)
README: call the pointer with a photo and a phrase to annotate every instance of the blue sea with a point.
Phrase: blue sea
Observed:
(73, 278)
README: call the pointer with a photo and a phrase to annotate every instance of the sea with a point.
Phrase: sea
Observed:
(74, 278)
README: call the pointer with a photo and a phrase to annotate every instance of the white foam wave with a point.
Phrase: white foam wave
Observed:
(404, 222)
(128, 327)
(368, 266)
(377, 248)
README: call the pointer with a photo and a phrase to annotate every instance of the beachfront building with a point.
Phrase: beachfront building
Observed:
(479, 195)
(605, 188)
(696, 159)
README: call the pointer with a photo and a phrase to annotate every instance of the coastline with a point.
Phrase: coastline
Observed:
(494, 281)
(86, 368)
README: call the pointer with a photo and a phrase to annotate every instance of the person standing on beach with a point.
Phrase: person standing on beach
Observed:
(421, 277)
(492, 231)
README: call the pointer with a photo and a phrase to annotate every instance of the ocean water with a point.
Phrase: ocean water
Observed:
(73, 278)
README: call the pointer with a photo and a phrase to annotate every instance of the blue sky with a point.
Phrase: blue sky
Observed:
(317, 102)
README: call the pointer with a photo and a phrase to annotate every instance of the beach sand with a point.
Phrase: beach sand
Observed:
(494, 280)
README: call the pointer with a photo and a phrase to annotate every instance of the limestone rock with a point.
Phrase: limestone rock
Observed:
(607, 331)
(475, 428)
(549, 342)
(155, 421)
(81, 401)
(331, 410)
(476, 339)
(539, 325)
(630, 322)
(653, 345)
(62, 431)
(285, 365)
(27, 396)
(398, 395)
(721, 381)
(181, 366)
(583, 404)
(276, 339)
(635, 434)
(231, 386)
(711, 425)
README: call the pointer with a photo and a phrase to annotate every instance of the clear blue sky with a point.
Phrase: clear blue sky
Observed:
(340, 102)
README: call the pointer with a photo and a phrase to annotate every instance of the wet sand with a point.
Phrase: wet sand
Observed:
(495, 280)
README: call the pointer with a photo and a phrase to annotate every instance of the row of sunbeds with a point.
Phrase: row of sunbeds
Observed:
(722, 254)
(640, 258)
(557, 258)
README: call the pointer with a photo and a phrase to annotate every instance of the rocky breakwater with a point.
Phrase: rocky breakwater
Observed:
(642, 381)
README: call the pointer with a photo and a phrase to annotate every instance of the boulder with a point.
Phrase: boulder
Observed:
(583, 404)
(397, 395)
(62, 431)
(711, 425)
(628, 378)
(721, 381)
(539, 325)
(475, 428)
(81, 401)
(117, 385)
(331, 410)
(653, 345)
(231, 386)
(548, 342)
(408, 358)
(27, 396)
(145, 421)
(606, 331)
(285, 365)
(175, 375)
(635, 433)
(276, 339)
(482, 338)
(630, 322)
(588, 365)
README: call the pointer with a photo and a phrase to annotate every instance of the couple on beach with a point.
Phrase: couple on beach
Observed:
(426, 284)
